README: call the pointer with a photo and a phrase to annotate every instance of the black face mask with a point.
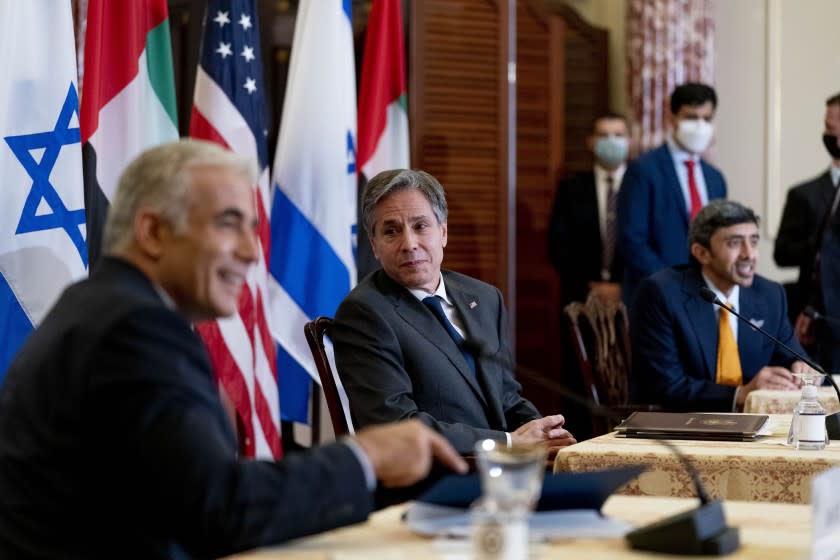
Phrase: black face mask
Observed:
(830, 142)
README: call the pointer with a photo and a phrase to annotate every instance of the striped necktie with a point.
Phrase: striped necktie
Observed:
(609, 234)
(433, 303)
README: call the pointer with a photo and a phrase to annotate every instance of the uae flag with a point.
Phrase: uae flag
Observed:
(128, 97)
(383, 120)
(229, 109)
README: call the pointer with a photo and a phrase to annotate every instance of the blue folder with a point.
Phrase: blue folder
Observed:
(580, 490)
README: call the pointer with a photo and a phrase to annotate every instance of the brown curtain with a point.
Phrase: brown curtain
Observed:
(669, 42)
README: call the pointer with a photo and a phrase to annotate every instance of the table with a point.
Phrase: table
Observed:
(764, 470)
(764, 401)
(768, 532)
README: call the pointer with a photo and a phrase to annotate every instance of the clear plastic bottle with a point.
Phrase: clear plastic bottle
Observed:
(808, 424)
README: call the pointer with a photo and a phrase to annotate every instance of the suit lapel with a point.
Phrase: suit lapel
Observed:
(413, 312)
(750, 341)
(711, 181)
(467, 305)
(827, 190)
(589, 206)
(667, 167)
(703, 320)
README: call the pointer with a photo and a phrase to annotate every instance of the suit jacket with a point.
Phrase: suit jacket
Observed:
(675, 340)
(575, 247)
(799, 231)
(652, 217)
(828, 332)
(114, 442)
(397, 361)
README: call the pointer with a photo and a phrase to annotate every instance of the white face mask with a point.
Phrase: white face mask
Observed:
(695, 135)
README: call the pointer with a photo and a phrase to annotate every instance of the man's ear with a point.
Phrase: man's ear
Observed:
(443, 233)
(151, 233)
(701, 253)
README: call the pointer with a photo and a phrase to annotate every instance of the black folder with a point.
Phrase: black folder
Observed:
(692, 425)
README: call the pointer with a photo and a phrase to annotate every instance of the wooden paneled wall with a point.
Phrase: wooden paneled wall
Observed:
(561, 89)
(458, 107)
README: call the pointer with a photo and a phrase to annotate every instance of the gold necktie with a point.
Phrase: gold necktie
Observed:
(728, 360)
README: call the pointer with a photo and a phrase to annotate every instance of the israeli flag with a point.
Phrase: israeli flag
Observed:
(42, 214)
(313, 210)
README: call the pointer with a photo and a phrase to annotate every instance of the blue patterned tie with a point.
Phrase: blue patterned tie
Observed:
(433, 303)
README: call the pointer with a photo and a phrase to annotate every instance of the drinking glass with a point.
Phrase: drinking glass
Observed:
(511, 481)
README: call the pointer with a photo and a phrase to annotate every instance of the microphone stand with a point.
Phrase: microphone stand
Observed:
(701, 530)
(832, 421)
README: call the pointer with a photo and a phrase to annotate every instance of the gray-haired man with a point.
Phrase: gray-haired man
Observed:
(398, 335)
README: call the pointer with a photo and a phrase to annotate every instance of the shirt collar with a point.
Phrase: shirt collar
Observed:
(168, 302)
(440, 292)
(835, 175)
(601, 174)
(732, 299)
(678, 153)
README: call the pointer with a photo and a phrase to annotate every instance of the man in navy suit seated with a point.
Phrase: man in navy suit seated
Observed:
(113, 439)
(664, 189)
(689, 354)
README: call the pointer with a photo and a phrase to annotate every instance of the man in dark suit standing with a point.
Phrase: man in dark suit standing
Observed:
(399, 334)
(809, 211)
(664, 189)
(113, 438)
(582, 231)
(689, 354)
(582, 242)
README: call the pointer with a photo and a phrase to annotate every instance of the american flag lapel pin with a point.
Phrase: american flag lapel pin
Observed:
(473, 305)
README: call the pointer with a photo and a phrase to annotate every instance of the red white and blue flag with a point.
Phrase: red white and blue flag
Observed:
(313, 211)
(229, 108)
(42, 214)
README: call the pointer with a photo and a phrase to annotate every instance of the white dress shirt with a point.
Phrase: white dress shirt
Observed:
(680, 156)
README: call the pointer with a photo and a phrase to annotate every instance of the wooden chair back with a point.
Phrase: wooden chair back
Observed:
(315, 330)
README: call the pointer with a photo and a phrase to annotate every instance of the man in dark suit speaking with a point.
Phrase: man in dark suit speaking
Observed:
(113, 438)
(689, 354)
(398, 334)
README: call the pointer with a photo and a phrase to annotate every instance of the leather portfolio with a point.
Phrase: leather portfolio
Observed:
(692, 425)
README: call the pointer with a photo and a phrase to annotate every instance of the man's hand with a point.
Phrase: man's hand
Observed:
(606, 291)
(801, 367)
(776, 378)
(804, 329)
(546, 431)
(402, 453)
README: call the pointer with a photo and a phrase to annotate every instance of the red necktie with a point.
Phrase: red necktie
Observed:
(696, 205)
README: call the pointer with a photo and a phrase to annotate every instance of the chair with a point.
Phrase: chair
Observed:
(314, 331)
(600, 336)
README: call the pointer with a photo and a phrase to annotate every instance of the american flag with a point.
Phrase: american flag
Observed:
(229, 108)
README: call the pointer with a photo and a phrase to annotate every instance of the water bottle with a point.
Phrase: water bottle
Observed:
(808, 424)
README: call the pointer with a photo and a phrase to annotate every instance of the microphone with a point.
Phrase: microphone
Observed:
(815, 315)
(702, 530)
(832, 421)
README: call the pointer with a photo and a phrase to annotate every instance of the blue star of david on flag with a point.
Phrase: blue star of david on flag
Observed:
(42, 190)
